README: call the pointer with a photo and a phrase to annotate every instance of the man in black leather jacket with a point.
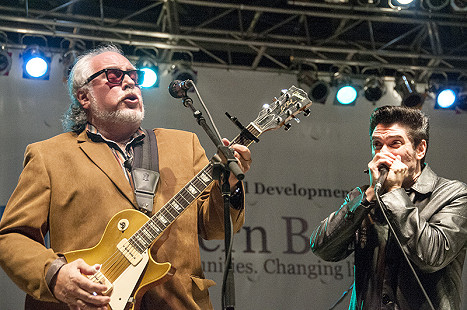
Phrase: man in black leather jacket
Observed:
(428, 214)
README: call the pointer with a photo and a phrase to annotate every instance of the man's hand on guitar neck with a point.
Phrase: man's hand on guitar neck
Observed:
(74, 288)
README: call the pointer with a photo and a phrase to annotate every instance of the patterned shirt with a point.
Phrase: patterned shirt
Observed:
(122, 156)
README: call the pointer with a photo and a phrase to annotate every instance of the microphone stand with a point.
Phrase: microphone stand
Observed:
(221, 172)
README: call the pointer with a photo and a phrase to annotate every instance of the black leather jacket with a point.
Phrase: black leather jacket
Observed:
(430, 220)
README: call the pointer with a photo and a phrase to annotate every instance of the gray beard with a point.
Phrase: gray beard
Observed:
(126, 116)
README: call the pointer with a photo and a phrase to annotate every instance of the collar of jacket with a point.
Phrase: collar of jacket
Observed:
(426, 181)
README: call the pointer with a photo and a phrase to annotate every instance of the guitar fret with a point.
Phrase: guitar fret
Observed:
(162, 218)
(203, 177)
(176, 205)
(135, 244)
(174, 213)
(168, 215)
(192, 190)
(181, 201)
(182, 192)
(243, 140)
(155, 228)
(142, 237)
(147, 235)
(141, 243)
(148, 232)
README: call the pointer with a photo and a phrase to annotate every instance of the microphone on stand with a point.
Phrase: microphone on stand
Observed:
(177, 88)
(128, 164)
(383, 174)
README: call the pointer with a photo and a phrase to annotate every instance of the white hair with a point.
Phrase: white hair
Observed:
(75, 117)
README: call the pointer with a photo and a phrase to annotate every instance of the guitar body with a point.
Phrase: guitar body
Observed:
(129, 281)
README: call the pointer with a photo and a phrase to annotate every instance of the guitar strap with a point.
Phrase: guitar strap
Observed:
(145, 171)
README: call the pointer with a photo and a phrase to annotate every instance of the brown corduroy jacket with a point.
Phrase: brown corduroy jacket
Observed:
(71, 187)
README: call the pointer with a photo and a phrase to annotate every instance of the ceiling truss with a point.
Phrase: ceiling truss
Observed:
(263, 37)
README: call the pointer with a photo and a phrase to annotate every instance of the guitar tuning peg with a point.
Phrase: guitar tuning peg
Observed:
(279, 119)
(287, 126)
(296, 119)
(306, 112)
(298, 105)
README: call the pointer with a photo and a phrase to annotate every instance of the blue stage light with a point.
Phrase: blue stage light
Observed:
(446, 99)
(35, 64)
(346, 95)
(151, 72)
(151, 77)
(36, 67)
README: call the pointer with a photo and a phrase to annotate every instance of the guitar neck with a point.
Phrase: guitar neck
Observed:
(143, 238)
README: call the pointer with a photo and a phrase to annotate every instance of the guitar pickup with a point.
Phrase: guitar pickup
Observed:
(130, 253)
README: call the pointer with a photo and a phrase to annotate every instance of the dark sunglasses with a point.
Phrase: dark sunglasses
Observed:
(116, 76)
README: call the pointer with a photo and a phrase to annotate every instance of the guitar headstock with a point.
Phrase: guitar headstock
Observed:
(292, 102)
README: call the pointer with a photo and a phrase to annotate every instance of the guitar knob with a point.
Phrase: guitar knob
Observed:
(287, 126)
(306, 112)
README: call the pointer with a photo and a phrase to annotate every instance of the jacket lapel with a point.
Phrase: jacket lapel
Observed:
(101, 155)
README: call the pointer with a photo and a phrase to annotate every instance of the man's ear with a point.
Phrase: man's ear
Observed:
(420, 150)
(83, 98)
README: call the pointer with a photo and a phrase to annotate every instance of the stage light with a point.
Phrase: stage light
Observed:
(36, 65)
(346, 95)
(434, 5)
(405, 86)
(401, 4)
(151, 72)
(5, 62)
(459, 5)
(404, 2)
(319, 89)
(446, 99)
(374, 88)
(346, 91)
(182, 71)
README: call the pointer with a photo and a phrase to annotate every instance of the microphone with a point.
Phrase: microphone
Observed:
(128, 164)
(383, 174)
(177, 88)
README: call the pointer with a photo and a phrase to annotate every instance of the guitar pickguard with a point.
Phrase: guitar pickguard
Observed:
(126, 283)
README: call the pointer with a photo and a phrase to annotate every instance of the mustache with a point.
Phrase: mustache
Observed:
(130, 93)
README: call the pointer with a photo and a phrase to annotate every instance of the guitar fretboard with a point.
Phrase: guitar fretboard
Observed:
(143, 238)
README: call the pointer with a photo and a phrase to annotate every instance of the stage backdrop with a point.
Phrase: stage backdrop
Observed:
(298, 176)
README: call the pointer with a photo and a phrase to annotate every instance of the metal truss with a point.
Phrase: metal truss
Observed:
(261, 35)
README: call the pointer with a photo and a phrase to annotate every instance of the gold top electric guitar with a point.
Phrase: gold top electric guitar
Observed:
(128, 269)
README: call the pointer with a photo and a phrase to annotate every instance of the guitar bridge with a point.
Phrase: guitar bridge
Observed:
(100, 278)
